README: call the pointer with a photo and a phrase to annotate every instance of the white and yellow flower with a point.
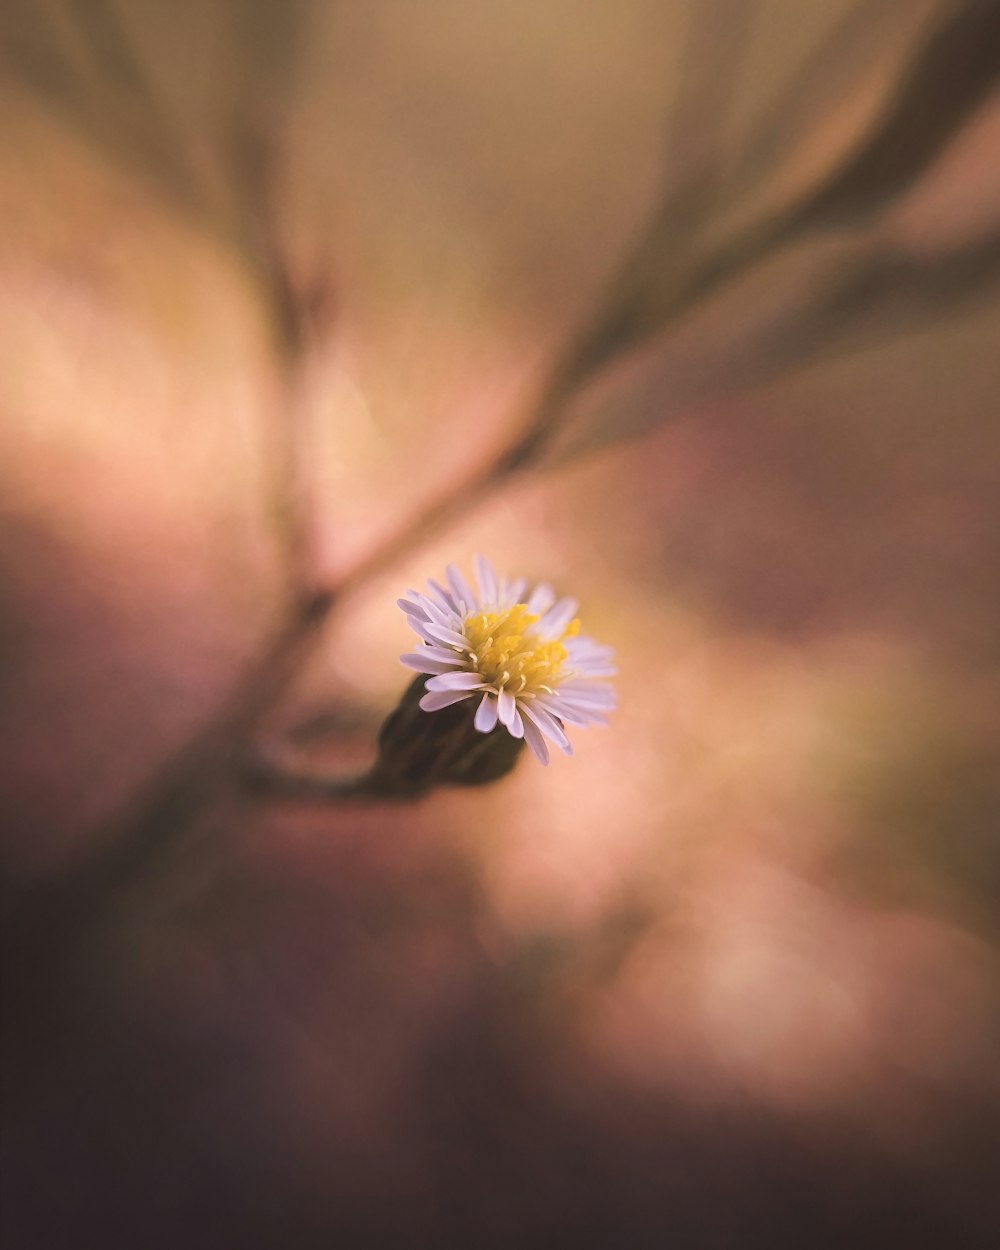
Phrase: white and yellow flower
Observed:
(524, 657)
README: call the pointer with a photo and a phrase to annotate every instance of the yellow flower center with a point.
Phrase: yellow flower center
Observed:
(507, 655)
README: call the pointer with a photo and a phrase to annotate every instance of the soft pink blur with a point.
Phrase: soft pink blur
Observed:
(749, 925)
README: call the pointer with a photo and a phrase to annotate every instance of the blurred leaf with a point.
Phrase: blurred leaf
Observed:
(856, 293)
(100, 23)
(666, 273)
(78, 60)
(834, 94)
(701, 109)
(32, 50)
(214, 151)
(955, 71)
(955, 66)
(889, 290)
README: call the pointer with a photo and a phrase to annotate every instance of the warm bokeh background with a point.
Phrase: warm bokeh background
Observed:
(272, 278)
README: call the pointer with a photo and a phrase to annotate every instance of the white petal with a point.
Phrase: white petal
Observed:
(424, 662)
(486, 713)
(435, 612)
(438, 699)
(506, 707)
(602, 700)
(571, 715)
(566, 710)
(556, 618)
(584, 642)
(584, 649)
(456, 681)
(598, 655)
(594, 668)
(534, 739)
(584, 685)
(445, 653)
(412, 608)
(549, 726)
(511, 592)
(450, 637)
(422, 628)
(589, 659)
(595, 655)
(464, 597)
(578, 715)
(542, 598)
(487, 577)
(516, 726)
(442, 596)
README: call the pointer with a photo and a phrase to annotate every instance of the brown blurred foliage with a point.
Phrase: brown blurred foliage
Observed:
(691, 307)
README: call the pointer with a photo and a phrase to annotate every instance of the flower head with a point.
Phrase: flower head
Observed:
(522, 656)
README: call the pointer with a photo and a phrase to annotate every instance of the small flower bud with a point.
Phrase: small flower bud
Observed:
(420, 751)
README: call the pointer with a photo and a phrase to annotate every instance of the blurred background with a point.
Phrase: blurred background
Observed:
(692, 308)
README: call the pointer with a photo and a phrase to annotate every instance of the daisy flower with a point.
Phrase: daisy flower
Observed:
(522, 656)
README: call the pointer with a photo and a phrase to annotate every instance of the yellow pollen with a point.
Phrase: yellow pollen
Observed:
(506, 654)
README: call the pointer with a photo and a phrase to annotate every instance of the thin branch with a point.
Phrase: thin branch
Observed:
(277, 778)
